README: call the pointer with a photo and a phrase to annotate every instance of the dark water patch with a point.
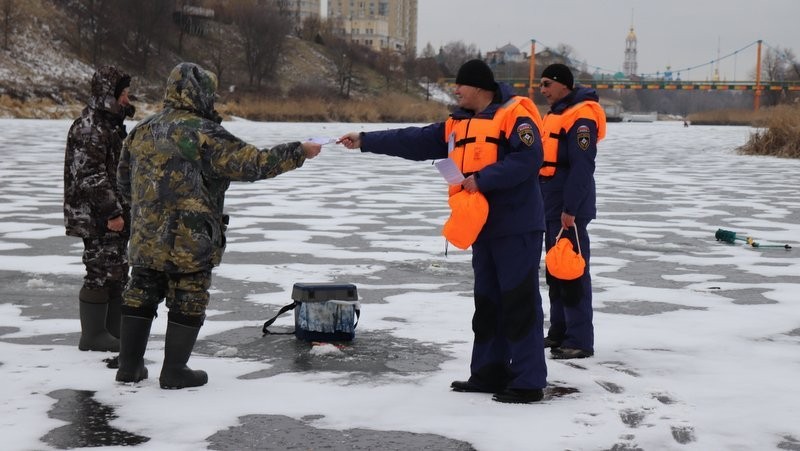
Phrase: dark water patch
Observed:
(790, 443)
(664, 398)
(621, 367)
(642, 308)
(632, 418)
(4, 330)
(88, 423)
(41, 296)
(683, 434)
(570, 364)
(794, 333)
(558, 391)
(625, 447)
(369, 354)
(748, 296)
(279, 433)
(610, 387)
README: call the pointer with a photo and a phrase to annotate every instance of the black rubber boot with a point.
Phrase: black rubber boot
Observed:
(178, 347)
(135, 331)
(113, 317)
(93, 309)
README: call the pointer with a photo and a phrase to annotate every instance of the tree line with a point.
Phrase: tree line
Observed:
(245, 41)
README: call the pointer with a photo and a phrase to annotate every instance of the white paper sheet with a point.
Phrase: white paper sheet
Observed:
(449, 171)
(322, 140)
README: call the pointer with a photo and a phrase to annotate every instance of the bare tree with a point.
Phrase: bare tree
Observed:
(429, 72)
(428, 51)
(263, 30)
(343, 58)
(94, 21)
(456, 53)
(566, 52)
(409, 66)
(776, 66)
(144, 25)
(218, 54)
(387, 64)
(9, 12)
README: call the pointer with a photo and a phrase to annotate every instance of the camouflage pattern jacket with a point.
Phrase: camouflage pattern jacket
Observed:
(90, 161)
(175, 168)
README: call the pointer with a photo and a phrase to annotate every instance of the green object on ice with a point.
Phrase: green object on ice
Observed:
(730, 237)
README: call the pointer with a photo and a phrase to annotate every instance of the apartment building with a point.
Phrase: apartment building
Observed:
(302, 9)
(377, 24)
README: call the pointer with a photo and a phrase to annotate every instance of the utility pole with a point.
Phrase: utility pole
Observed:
(757, 94)
(532, 69)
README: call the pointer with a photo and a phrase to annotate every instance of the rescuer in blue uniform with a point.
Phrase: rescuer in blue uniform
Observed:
(494, 138)
(571, 130)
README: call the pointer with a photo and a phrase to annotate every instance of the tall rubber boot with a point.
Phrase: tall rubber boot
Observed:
(113, 316)
(135, 332)
(93, 310)
(178, 347)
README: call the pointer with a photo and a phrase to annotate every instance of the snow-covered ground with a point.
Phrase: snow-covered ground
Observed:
(697, 342)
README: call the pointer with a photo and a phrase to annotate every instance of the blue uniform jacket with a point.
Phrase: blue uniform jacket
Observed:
(510, 185)
(572, 188)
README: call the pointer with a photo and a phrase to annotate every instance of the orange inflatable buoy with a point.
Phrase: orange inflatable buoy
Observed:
(562, 261)
(468, 213)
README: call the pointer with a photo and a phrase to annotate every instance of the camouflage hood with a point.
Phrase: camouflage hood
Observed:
(104, 84)
(190, 87)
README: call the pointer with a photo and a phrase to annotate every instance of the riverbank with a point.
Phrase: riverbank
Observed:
(778, 134)
(391, 107)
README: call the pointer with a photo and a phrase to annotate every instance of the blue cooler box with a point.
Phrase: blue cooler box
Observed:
(325, 312)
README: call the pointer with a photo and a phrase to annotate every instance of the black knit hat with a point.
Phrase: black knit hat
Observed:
(559, 73)
(476, 73)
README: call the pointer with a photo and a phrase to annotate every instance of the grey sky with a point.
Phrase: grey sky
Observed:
(679, 33)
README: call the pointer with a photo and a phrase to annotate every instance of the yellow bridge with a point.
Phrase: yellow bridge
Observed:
(671, 85)
(758, 86)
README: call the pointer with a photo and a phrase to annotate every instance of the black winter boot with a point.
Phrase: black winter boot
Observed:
(93, 309)
(178, 347)
(135, 332)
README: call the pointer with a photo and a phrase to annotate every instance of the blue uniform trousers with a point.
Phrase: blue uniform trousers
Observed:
(508, 323)
(571, 301)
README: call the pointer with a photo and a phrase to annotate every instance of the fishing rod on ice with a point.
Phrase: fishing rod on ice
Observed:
(731, 237)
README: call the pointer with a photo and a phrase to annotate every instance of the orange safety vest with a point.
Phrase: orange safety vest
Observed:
(473, 142)
(556, 127)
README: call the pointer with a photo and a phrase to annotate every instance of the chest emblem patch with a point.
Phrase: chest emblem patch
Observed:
(583, 137)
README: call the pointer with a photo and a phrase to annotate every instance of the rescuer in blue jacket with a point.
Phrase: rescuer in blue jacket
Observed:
(494, 138)
(571, 130)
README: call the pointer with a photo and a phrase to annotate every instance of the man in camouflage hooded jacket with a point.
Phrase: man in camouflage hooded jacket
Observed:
(175, 168)
(94, 209)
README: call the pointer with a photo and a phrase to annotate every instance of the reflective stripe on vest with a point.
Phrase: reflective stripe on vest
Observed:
(556, 127)
(475, 141)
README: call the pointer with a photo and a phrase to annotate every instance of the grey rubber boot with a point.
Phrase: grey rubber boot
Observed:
(178, 347)
(93, 309)
(135, 331)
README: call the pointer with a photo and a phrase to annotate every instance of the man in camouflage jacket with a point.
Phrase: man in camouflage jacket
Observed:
(94, 209)
(175, 168)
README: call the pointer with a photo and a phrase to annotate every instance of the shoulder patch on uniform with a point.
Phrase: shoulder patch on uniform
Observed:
(584, 137)
(526, 134)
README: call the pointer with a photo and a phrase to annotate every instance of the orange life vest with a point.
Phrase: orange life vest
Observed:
(473, 144)
(474, 141)
(556, 127)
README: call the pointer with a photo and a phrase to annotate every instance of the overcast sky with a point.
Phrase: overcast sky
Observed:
(678, 33)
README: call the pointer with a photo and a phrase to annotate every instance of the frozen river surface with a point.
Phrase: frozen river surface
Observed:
(697, 342)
